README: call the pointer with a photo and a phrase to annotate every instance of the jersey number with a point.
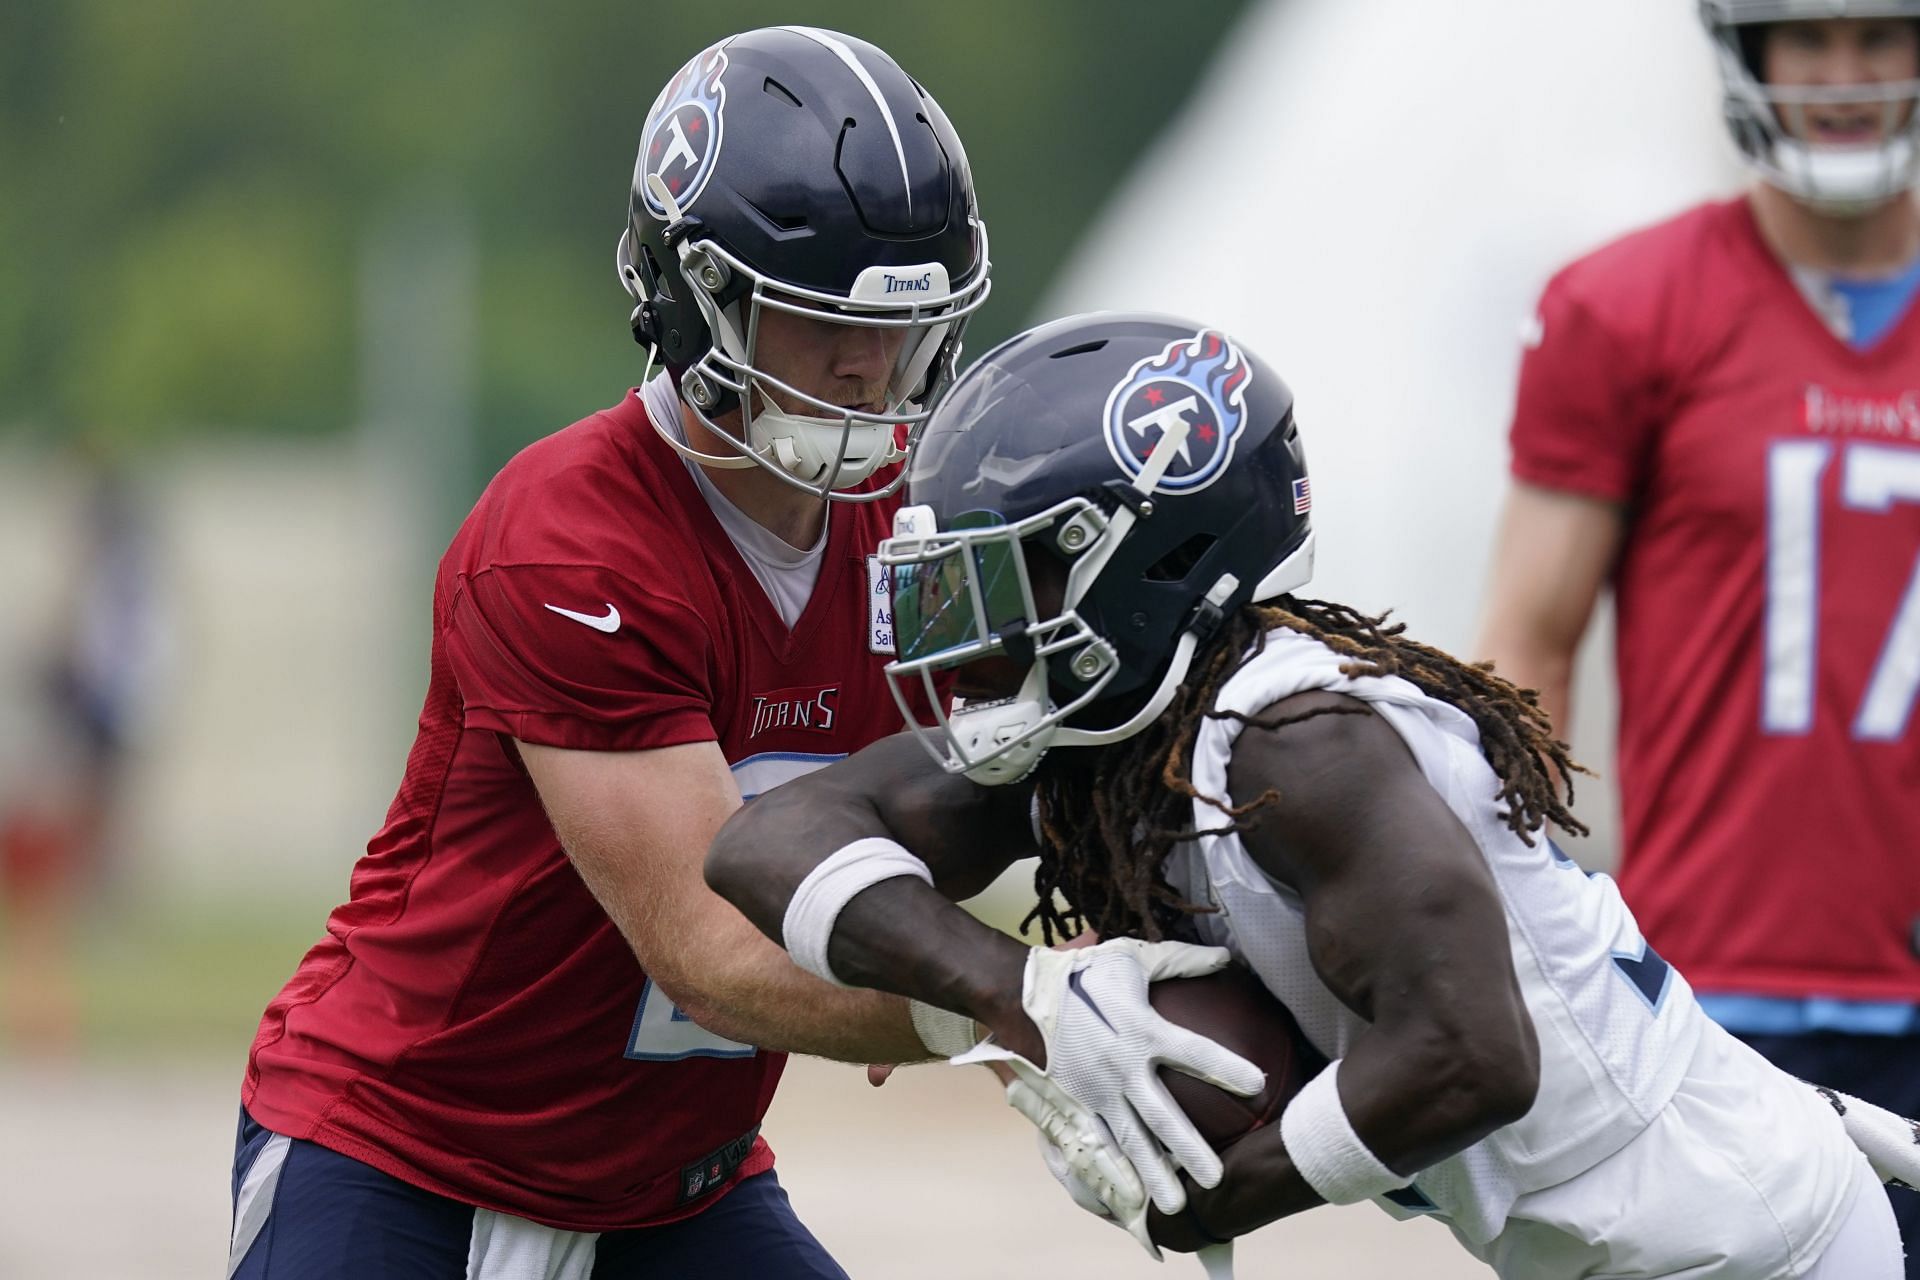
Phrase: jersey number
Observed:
(1875, 477)
(661, 1033)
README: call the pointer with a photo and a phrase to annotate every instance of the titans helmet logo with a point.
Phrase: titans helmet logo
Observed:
(684, 130)
(1199, 384)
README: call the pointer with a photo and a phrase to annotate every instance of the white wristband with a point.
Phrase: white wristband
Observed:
(816, 905)
(945, 1033)
(1324, 1148)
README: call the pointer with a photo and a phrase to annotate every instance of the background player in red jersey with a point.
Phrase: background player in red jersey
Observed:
(1720, 415)
(525, 1044)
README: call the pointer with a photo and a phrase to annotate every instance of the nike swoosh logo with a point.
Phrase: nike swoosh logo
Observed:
(609, 624)
(1073, 984)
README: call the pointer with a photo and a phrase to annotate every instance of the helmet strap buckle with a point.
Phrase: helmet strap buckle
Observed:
(1127, 494)
(1209, 611)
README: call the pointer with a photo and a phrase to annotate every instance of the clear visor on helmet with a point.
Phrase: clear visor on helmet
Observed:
(954, 597)
(966, 594)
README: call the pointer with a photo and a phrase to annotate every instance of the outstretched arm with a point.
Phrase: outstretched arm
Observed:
(1406, 927)
(635, 824)
(900, 935)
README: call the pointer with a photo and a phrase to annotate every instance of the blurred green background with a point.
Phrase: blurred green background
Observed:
(240, 230)
(192, 186)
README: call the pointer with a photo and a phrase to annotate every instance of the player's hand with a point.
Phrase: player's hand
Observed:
(1185, 1231)
(1080, 1155)
(1104, 1044)
(1890, 1142)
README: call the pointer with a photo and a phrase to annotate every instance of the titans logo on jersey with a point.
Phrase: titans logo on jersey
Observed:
(1200, 384)
(685, 129)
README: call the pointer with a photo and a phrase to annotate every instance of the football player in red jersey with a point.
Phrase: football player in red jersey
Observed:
(1720, 417)
(526, 1045)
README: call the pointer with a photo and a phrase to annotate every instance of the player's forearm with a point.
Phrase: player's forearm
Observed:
(1420, 1092)
(1548, 673)
(902, 936)
(745, 988)
(1412, 1101)
(1259, 1185)
(1531, 662)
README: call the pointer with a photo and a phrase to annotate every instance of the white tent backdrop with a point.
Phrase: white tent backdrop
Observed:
(1371, 196)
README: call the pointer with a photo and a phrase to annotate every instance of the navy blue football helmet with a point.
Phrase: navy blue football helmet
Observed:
(799, 170)
(1090, 500)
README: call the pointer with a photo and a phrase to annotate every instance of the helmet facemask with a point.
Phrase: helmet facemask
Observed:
(966, 593)
(826, 449)
(1770, 123)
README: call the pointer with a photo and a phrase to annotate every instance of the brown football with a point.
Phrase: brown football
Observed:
(1235, 1009)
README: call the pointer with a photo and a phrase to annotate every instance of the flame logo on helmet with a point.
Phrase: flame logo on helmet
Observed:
(1200, 381)
(684, 130)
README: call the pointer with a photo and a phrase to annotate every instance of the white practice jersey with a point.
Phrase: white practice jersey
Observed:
(1617, 1026)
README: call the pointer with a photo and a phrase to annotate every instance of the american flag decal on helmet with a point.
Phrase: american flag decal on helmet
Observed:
(1302, 497)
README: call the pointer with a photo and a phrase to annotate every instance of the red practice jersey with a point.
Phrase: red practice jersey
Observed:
(1768, 595)
(473, 1023)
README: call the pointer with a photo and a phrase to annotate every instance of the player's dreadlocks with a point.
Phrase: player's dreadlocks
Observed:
(1109, 816)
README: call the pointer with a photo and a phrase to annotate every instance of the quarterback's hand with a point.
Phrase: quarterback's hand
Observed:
(1098, 1178)
(1890, 1142)
(1149, 1226)
(1104, 1044)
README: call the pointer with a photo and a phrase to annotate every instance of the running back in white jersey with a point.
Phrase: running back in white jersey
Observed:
(1617, 1026)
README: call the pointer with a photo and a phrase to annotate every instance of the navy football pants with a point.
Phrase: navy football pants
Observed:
(326, 1216)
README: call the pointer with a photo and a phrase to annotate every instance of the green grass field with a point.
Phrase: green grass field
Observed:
(183, 978)
(191, 978)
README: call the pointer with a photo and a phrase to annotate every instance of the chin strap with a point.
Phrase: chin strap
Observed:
(724, 462)
(780, 453)
(637, 285)
(1169, 684)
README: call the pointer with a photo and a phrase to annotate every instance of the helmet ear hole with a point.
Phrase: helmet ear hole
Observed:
(659, 283)
(1176, 564)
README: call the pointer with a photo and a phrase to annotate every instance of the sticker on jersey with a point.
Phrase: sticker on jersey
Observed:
(684, 131)
(879, 607)
(1201, 382)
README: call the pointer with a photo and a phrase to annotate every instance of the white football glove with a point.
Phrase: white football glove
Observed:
(1215, 1259)
(1890, 1142)
(1104, 1043)
(1116, 1198)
